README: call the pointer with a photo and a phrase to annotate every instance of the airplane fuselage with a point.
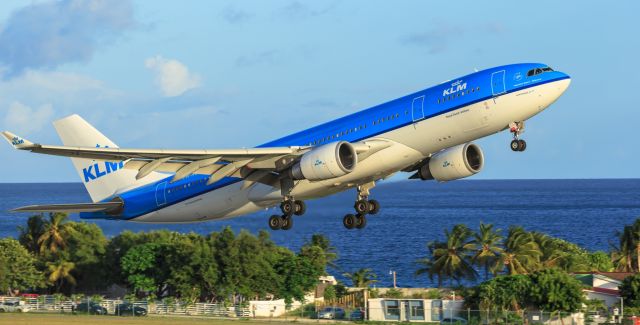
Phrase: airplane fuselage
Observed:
(420, 124)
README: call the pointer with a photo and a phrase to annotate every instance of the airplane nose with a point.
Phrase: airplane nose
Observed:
(564, 84)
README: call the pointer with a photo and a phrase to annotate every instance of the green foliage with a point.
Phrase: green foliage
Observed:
(361, 278)
(555, 290)
(508, 292)
(521, 253)
(341, 290)
(329, 293)
(451, 259)
(393, 293)
(630, 290)
(600, 261)
(17, 268)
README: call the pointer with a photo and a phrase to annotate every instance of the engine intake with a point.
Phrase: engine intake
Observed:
(453, 163)
(325, 162)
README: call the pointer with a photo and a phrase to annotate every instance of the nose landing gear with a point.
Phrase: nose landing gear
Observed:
(517, 144)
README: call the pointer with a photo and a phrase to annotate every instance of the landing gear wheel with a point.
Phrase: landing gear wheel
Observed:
(287, 207)
(374, 206)
(300, 207)
(522, 145)
(275, 222)
(515, 145)
(362, 207)
(361, 221)
(287, 223)
(349, 221)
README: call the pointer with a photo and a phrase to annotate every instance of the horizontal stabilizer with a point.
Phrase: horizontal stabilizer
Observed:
(16, 141)
(73, 207)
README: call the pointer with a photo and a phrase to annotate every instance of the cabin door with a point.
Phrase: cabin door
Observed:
(497, 83)
(417, 109)
(161, 194)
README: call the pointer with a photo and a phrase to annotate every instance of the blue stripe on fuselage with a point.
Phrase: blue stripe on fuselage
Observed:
(144, 200)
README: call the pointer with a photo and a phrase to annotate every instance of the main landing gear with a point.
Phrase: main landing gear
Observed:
(517, 144)
(289, 208)
(363, 206)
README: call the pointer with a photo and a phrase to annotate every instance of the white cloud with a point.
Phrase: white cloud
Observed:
(173, 77)
(25, 119)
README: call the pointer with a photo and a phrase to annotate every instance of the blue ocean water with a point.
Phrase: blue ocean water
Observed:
(586, 212)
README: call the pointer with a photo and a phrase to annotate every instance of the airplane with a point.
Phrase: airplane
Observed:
(428, 133)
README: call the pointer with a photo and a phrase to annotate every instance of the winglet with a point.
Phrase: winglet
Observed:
(16, 141)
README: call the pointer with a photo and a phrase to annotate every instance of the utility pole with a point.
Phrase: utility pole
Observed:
(394, 278)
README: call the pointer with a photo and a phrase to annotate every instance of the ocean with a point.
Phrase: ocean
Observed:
(585, 212)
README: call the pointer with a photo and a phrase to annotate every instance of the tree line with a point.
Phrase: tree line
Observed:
(56, 255)
(468, 255)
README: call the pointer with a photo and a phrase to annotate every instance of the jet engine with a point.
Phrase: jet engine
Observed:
(454, 163)
(325, 162)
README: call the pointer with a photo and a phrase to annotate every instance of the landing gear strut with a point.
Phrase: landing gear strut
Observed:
(363, 206)
(289, 208)
(517, 144)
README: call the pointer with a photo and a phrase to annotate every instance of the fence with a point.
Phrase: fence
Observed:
(388, 310)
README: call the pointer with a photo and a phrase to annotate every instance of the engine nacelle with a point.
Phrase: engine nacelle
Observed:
(325, 162)
(453, 163)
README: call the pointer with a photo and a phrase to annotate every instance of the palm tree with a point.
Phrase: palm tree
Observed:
(56, 232)
(451, 259)
(622, 255)
(521, 253)
(487, 248)
(60, 272)
(330, 253)
(361, 278)
(30, 234)
(636, 239)
(427, 263)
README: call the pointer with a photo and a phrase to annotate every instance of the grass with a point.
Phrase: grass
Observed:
(68, 319)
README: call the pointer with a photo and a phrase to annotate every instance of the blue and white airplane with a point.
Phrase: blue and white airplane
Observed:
(428, 133)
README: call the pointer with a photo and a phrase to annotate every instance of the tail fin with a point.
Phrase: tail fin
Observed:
(101, 179)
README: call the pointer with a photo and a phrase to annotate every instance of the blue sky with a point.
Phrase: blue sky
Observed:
(223, 74)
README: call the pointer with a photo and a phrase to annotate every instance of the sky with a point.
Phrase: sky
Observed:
(225, 74)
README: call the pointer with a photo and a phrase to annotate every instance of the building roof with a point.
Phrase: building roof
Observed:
(612, 275)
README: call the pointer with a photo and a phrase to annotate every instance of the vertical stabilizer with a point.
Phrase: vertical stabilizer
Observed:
(101, 178)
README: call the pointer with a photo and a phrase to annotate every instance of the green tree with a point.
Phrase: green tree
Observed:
(56, 232)
(509, 292)
(86, 247)
(487, 246)
(622, 255)
(362, 278)
(521, 253)
(555, 290)
(298, 275)
(329, 252)
(630, 290)
(600, 261)
(329, 293)
(30, 234)
(139, 266)
(17, 268)
(452, 258)
(59, 273)
(426, 264)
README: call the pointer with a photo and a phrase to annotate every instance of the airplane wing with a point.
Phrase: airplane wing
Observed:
(254, 164)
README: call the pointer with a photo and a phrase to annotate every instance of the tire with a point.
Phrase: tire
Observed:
(522, 145)
(300, 207)
(275, 222)
(361, 206)
(361, 221)
(515, 145)
(374, 207)
(287, 208)
(349, 221)
(287, 223)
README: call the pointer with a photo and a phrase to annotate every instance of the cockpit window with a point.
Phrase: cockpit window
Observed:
(538, 71)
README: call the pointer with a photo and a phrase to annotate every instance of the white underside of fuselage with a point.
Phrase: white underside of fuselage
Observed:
(412, 143)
